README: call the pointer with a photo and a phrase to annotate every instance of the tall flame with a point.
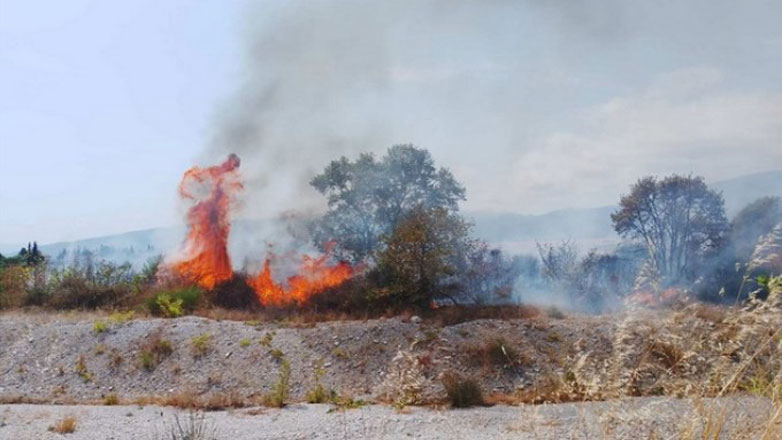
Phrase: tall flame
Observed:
(206, 246)
(314, 276)
(206, 261)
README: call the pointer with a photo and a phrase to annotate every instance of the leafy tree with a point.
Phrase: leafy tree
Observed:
(752, 222)
(368, 197)
(418, 257)
(678, 218)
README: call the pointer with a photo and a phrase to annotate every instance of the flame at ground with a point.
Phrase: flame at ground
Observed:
(206, 246)
(314, 276)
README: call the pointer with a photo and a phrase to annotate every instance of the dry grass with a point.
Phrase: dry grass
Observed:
(67, 425)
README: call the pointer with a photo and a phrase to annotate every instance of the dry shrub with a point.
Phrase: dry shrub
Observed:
(668, 354)
(65, 426)
(495, 352)
(403, 385)
(154, 350)
(462, 392)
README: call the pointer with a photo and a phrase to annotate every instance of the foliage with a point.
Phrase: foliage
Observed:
(419, 257)
(201, 344)
(99, 327)
(485, 275)
(279, 393)
(194, 428)
(175, 302)
(319, 394)
(368, 197)
(678, 218)
(752, 222)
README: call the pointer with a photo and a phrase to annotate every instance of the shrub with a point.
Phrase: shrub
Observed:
(194, 428)
(81, 369)
(279, 393)
(175, 302)
(245, 342)
(99, 327)
(65, 426)
(319, 394)
(110, 399)
(462, 392)
(276, 353)
(155, 351)
(495, 352)
(200, 345)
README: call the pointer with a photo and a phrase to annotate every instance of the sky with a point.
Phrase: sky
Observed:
(533, 105)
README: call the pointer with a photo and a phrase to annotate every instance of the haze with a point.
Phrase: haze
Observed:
(534, 106)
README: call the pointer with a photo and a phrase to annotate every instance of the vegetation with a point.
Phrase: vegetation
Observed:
(65, 426)
(194, 428)
(462, 392)
(279, 394)
(368, 197)
(200, 345)
(678, 218)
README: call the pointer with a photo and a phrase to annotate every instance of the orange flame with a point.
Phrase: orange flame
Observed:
(314, 276)
(206, 245)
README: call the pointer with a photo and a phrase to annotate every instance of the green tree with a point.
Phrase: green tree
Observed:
(678, 218)
(368, 197)
(419, 257)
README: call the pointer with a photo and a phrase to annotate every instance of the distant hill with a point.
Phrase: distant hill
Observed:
(587, 228)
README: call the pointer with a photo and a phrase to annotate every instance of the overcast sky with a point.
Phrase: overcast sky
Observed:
(535, 105)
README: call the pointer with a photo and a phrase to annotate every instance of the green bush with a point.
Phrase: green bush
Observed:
(175, 302)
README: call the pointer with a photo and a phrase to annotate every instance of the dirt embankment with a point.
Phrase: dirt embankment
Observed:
(697, 351)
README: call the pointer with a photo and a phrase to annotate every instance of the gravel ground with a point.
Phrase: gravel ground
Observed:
(627, 419)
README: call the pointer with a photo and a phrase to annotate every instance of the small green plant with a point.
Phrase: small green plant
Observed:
(279, 393)
(175, 302)
(245, 342)
(462, 392)
(99, 327)
(147, 360)
(346, 402)
(81, 369)
(168, 306)
(111, 399)
(100, 349)
(319, 394)
(121, 317)
(276, 353)
(200, 345)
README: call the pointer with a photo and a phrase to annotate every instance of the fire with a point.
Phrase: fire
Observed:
(207, 263)
(314, 275)
(206, 246)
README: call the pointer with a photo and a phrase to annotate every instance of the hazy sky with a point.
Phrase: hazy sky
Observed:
(535, 105)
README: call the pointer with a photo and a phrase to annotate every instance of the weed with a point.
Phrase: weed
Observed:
(462, 392)
(81, 369)
(340, 353)
(155, 351)
(99, 327)
(319, 394)
(100, 349)
(200, 345)
(194, 428)
(111, 399)
(276, 353)
(65, 426)
(121, 317)
(266, 339)
(244, 342)
(279, 393)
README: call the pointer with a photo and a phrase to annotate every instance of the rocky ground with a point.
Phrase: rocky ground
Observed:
(635, 418)
(604, 362)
